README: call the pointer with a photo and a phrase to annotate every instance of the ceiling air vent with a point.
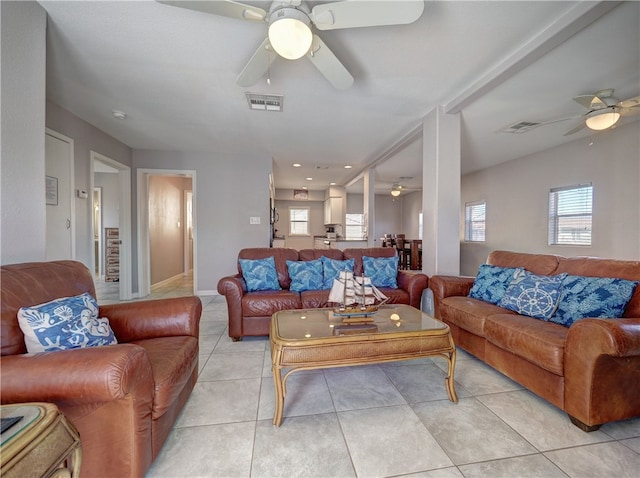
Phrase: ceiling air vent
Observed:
(521, 127)
(265, 102)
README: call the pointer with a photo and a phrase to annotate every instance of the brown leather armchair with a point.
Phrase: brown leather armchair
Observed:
(123, 399)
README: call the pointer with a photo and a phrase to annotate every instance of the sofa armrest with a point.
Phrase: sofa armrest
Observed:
(448, 286)
(78, 377)
(150, 319)
(233, 288)
(602, 370)
(414, 283)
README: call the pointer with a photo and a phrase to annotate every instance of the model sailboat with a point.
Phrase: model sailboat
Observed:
(357, 296)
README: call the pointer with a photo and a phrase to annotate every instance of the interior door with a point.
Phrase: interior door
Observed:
(59, 184)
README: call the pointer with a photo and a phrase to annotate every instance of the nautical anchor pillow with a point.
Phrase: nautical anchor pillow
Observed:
(66, 323)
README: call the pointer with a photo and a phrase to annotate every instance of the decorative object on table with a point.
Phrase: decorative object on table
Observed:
(357, 296)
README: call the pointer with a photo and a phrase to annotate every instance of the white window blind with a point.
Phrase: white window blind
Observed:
(299, 221)
(474, 222)
(354, 226)
(570, 215)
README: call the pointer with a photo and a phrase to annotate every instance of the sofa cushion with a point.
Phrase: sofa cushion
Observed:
(280, 254)
(173, 359)
(305, 275)
(468, 313)
(532, 294)
(491, 282)
(260, 274)
(583, 297)
(357, 254)
(396, 296)
(332, 268)
(267, 302)
(312, 254)
(314, 299)
(383, 271)
(543, 264)
(63, 324)
(541, 343)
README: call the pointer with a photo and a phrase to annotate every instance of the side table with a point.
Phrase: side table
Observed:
(42, 444)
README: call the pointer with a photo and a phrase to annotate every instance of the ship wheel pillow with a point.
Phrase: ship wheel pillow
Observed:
(65, 323)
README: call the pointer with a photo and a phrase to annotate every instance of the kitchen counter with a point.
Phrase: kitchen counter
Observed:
(321, 242)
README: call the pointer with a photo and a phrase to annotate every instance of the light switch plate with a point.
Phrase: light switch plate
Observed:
(254, 220)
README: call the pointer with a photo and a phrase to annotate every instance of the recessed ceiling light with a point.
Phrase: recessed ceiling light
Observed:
(296, 165)
(304, 187)
(332, 184)
(119, 114)
(309, 179)
(348, 166)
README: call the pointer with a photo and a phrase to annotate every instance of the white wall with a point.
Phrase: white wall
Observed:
(227, 192)
(87, 138)
(517, 195)
(387, 218)
(22, 210)
(411, 209)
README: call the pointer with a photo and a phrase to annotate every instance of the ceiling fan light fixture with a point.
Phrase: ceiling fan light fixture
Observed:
(396, 190)
(290, 33)
(602, 119)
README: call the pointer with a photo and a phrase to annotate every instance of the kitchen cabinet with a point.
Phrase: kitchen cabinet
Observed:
(333, 210)
(321, 244)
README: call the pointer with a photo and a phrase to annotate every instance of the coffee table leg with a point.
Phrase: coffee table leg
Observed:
(451, 390)
(278, 384)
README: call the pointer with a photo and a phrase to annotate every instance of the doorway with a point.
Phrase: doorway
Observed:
(111, 225)
(167, 250)
(59, 182)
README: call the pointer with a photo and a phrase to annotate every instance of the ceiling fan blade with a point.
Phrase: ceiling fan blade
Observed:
(629, 111)
(630, 103)
(575, 129)
(226, 8)
(356, 13)
(591, 102)
(258, 65)
(329, 65)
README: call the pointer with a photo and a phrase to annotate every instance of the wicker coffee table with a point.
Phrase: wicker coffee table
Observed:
(316, 338)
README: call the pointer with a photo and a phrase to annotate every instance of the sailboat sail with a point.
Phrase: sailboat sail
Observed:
(348, 291)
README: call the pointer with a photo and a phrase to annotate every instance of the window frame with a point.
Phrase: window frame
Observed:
(583, 218)
(292, 222)
(469, 222)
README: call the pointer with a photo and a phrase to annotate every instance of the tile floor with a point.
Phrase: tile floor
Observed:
(375, 421)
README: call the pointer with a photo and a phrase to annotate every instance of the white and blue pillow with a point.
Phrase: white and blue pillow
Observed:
(598, 297)
(65, 323)
(533, 295)
(260, 274)
(305, 275)
(332, 268)
(491, 282)
(383, 271)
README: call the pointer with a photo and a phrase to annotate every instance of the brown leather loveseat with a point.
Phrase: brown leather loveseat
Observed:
(590, 369)
(250, 312)
(123, 399)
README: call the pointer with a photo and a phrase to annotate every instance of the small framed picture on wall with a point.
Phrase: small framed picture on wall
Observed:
(51, 190)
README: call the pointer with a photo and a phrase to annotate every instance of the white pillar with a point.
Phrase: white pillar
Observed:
(441, 193)
(369, 204)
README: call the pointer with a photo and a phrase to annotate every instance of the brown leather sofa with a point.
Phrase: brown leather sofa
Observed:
(123, 399)
(250, 312)
(591, 369)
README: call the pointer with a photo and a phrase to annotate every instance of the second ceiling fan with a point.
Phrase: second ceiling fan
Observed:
(290, 30)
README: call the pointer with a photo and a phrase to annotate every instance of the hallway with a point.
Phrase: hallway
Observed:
(108, 292)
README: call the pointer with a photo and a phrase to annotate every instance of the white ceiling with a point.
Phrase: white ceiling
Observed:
(173, 72)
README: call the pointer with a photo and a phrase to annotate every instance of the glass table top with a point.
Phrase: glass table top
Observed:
(312, 324)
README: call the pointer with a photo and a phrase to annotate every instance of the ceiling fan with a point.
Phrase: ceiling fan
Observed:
(604, 111)
(290, 32)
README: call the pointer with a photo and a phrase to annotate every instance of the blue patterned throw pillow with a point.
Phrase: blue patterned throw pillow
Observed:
(331, 269)
(491, 283)
(260, 274)
(533, 295)
(383, 271)
(65, 323)
(583, 297)
(305, 275)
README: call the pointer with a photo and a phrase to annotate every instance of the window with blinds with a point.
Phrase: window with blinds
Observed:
(354, 226)
(474, 221)
(299, 221)
(570, 215)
